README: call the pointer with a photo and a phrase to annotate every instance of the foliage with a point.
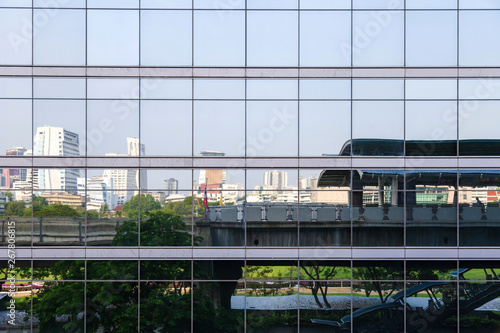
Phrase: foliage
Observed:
(379, 279)
(147, 203)
(160, 229)
(15, 208)
(56, 210)
(113, 306)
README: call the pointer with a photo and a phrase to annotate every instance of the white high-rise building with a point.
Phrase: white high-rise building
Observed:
(276, 179)
(98, 190)
(56, 141)
(137, 149)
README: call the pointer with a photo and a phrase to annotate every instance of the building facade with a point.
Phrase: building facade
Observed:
(330, 165)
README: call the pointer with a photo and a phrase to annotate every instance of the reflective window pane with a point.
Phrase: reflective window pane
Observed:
(15, 87)
(177, 116)
(325, 38)
(113, 88)
(378, 38)
(209, 118)
(272, 38)
(113, 38)
(112, 126)
(378, 89)
(16, 113)
(219, 41)
(479, 88)
(325, 4)
(171, 47)
(478, 41)
(219, 89)
(15, 36)
(477, 130)
(59, 4)
(431, 4)
(316, 119)
(431, 128)
(431, 38)
(272, 128)
(112, 3)
(431, 89)
(166, 4)
(371, 132)
(166, 88)
(62, 40)
(479, 4)
(325, 89)
(59, 88)
(272, 4)
(272, 89)
(377, 4)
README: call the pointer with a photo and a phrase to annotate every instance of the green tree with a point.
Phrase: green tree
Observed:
(56, 210)
(147, 203)
(15, 208)
(113, 306)
(379, 279)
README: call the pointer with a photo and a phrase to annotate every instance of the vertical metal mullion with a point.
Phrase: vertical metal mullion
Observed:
(458, 165)
(32, 148)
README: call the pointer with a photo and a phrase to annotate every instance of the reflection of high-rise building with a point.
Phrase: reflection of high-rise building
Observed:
(276, 179)
(171, 186)
(135, 148)
(56, 141)
(212, 178)
(124, 183)
(98, 190)
(14, 175)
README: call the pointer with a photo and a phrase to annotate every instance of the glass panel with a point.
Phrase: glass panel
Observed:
(479, 4)
(479, 216)
(377, 89)
(272, 89)
(165, 305)
(49, 270)
(478, 43)
(52, 300)
(325, 4)
(166, 88)
(112, 306)
(155, 115)
(272, 129)
(62, 39)
(377, 4)
(269, 270)
(209, 118)
(171, 47)
(59, 219)
(113, 38)
(431, 270)
(219, 89)
(325, 218)
(431, 129)
(324, 180)
(272, 4)
(431, 38)
(221, 5)
(17, 136)
(431, 216)
(378, 128)
(213, 312)
(272, 179)
(477, 130)
(158, 270)
(316, 136)
(168, 224)
(222, 179)
(16, 216)
(187, 4)
(484, 270)
(325, 38)
(15, 87)
(102, 204)
(425, 179)
(378, 271)
(431, 89)
(431, 4)
(60, 4)
(59, 128)
(219, 42)
(112, 128)
(168, 180)
(112, 3)
(479, 88)
(478, 179)
(113, 88)
(112, 269)
(425, 304)
(59, 88)
(325, 89)
(272, 38)
(124, 182)
(60, 181)
(15, 3)
(378, 38)
(259, 316)
(15, 36)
